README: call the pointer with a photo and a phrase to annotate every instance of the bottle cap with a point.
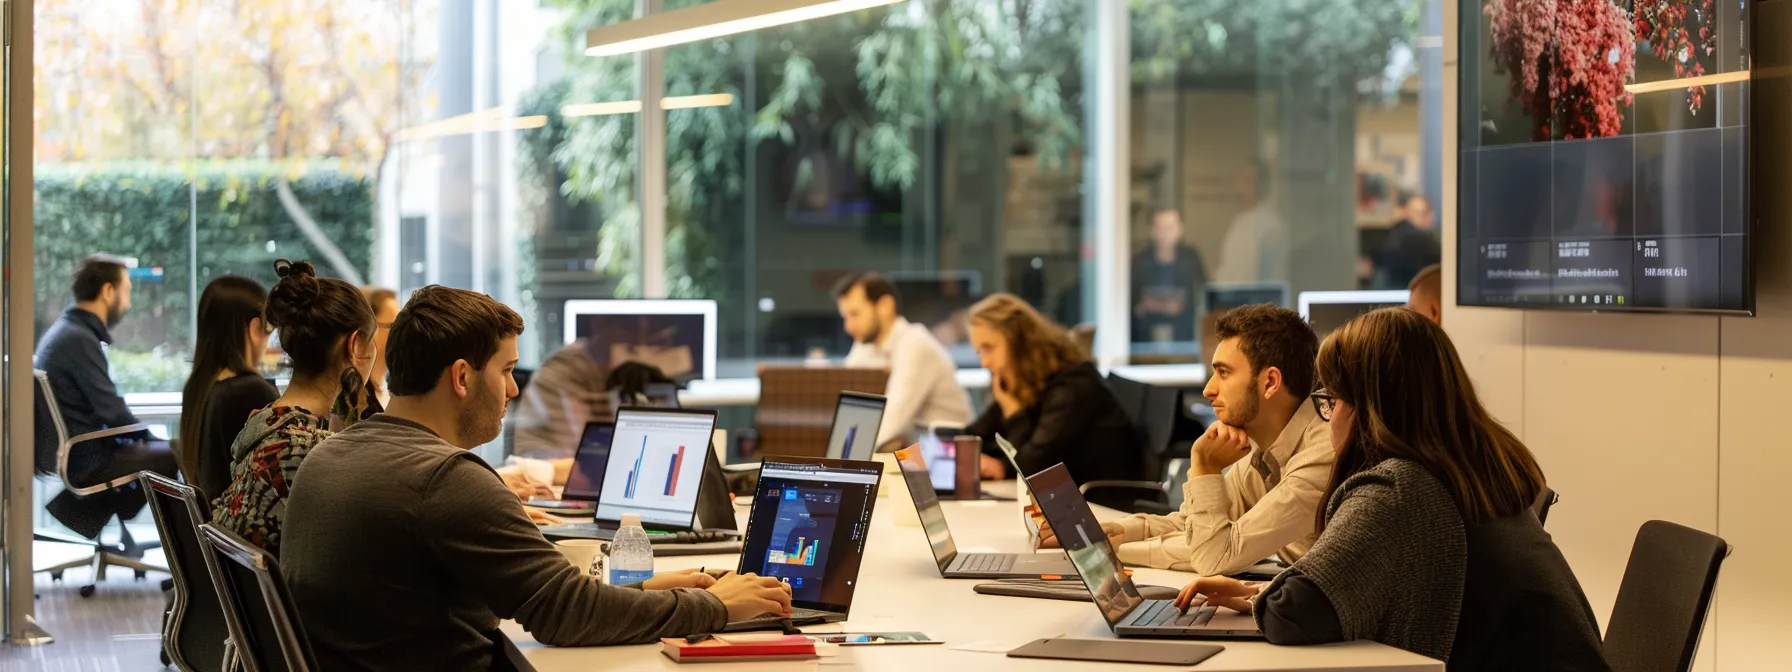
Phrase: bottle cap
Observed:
(631, 520)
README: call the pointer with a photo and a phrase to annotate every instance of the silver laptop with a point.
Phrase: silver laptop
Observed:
(1127, 613)
(955, 565)
(808, 528)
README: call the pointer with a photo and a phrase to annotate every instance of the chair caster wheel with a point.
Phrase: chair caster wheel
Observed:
(166, 661)
(56, 575)
(167, 585)
(140, 574)
(87, 591)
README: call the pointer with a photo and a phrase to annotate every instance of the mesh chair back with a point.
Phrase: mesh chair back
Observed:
(257, 607)
(1660, 611)
(49, 432)
(195, 633)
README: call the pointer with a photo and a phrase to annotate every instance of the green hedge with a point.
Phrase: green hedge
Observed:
(144, 210)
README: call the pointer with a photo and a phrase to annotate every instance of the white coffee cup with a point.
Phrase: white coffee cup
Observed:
(580, 552)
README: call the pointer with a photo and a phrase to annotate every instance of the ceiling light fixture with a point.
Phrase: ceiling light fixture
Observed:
(633, 106)
(712, 20)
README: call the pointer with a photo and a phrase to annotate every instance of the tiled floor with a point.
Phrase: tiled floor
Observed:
(118, 629)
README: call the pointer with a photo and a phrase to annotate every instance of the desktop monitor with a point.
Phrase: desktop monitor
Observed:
(1223, 296)
(586, 480)
(656, 466)
(678, 336)
(1327, 311)
(856, 420)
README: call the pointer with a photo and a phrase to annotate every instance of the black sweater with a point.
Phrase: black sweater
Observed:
(227, 409)
(1077, 421)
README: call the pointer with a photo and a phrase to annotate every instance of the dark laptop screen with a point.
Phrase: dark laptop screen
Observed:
(927, 504)
(1084, 542)
(856, 419)
(808, 528)
(586, 480)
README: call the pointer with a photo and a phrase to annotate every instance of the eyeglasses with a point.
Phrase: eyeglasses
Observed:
(1324, 404)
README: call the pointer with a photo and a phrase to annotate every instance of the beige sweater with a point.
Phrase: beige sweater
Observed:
(1228, 523)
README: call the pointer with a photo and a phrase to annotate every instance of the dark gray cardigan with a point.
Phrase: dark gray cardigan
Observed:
(1396, 565)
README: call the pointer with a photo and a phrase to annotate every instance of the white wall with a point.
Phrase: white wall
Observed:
(1640, 417)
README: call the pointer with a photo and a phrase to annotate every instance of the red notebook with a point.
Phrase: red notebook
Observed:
(741, 647)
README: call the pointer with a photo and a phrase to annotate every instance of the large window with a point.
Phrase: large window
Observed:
(1274, 147)
(945, 143)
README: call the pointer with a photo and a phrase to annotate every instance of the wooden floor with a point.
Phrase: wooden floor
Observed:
(119, 628)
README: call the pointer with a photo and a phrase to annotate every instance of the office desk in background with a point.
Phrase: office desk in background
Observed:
(900, 589)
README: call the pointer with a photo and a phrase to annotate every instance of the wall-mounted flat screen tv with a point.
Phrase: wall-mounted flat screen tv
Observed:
(1604, 155)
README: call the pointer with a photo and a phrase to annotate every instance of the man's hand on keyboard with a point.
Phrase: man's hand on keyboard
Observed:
(1220, 591)
(684, 578)
(1049, 539)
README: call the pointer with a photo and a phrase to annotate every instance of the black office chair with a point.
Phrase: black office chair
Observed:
(258, 610)
(52, 446)
(1157, 416)
(1545, 499)
(195, 637)
(1660, 611)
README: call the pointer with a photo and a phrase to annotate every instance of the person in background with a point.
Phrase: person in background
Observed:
(225, 387)
(1412, 243)
(72, 354)
(385, 310)
(405, 550)
(1255, 248)
(564, 394)
(1269, 434)
(1428, 542)
(1426, 293)
(923, 390)
(1167, 282)
(1050, 401)
(326, 329)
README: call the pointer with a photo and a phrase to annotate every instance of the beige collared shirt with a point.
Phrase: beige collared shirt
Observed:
(923, 388)
(1264, 505)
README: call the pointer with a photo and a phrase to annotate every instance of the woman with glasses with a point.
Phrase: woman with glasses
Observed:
(1427, 539)
(225, 386)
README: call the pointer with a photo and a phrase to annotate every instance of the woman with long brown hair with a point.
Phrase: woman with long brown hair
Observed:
(1050, 401)
(1428, 542)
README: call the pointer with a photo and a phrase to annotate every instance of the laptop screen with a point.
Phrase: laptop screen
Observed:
(586, 480)
(1084, 542)
(856, 419)
(941, 455)
(656, 464)
(808, 527)
(927, 504)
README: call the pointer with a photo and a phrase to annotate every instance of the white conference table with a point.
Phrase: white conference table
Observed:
(901, 590)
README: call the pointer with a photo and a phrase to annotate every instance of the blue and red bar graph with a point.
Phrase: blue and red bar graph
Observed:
(672, 468)
(672, 472)
(634, 475)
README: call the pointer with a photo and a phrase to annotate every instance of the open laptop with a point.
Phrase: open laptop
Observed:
(857, 417)
(1127, 613)
(808, 528)
(586, 479)
(657, 461)
(955, 565)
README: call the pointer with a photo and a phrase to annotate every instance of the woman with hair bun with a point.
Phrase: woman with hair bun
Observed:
(326, 328)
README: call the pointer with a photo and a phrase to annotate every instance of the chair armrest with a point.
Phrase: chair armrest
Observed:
(67, 446)
(109, 432)
(1153, 486)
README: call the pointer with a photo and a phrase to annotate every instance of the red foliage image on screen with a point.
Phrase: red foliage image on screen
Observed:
(1572, 85)
(1679, 32)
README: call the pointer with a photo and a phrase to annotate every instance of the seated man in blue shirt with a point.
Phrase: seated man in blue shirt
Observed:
(72, 352)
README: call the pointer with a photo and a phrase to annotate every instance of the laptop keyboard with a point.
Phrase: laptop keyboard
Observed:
(986, 562)
(1162, 613)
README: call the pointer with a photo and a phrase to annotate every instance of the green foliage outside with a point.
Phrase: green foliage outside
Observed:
(146, 210)
(867, 85)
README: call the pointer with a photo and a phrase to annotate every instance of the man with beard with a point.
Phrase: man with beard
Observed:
(404, 551)
(923, 388)
(72, 353)
(1271, 435)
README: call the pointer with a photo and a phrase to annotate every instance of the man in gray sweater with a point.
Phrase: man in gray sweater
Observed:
(404, 551)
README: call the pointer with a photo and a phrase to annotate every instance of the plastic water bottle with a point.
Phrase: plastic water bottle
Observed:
(631, 553)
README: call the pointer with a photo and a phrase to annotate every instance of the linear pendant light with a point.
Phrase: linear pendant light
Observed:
(712, 20)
